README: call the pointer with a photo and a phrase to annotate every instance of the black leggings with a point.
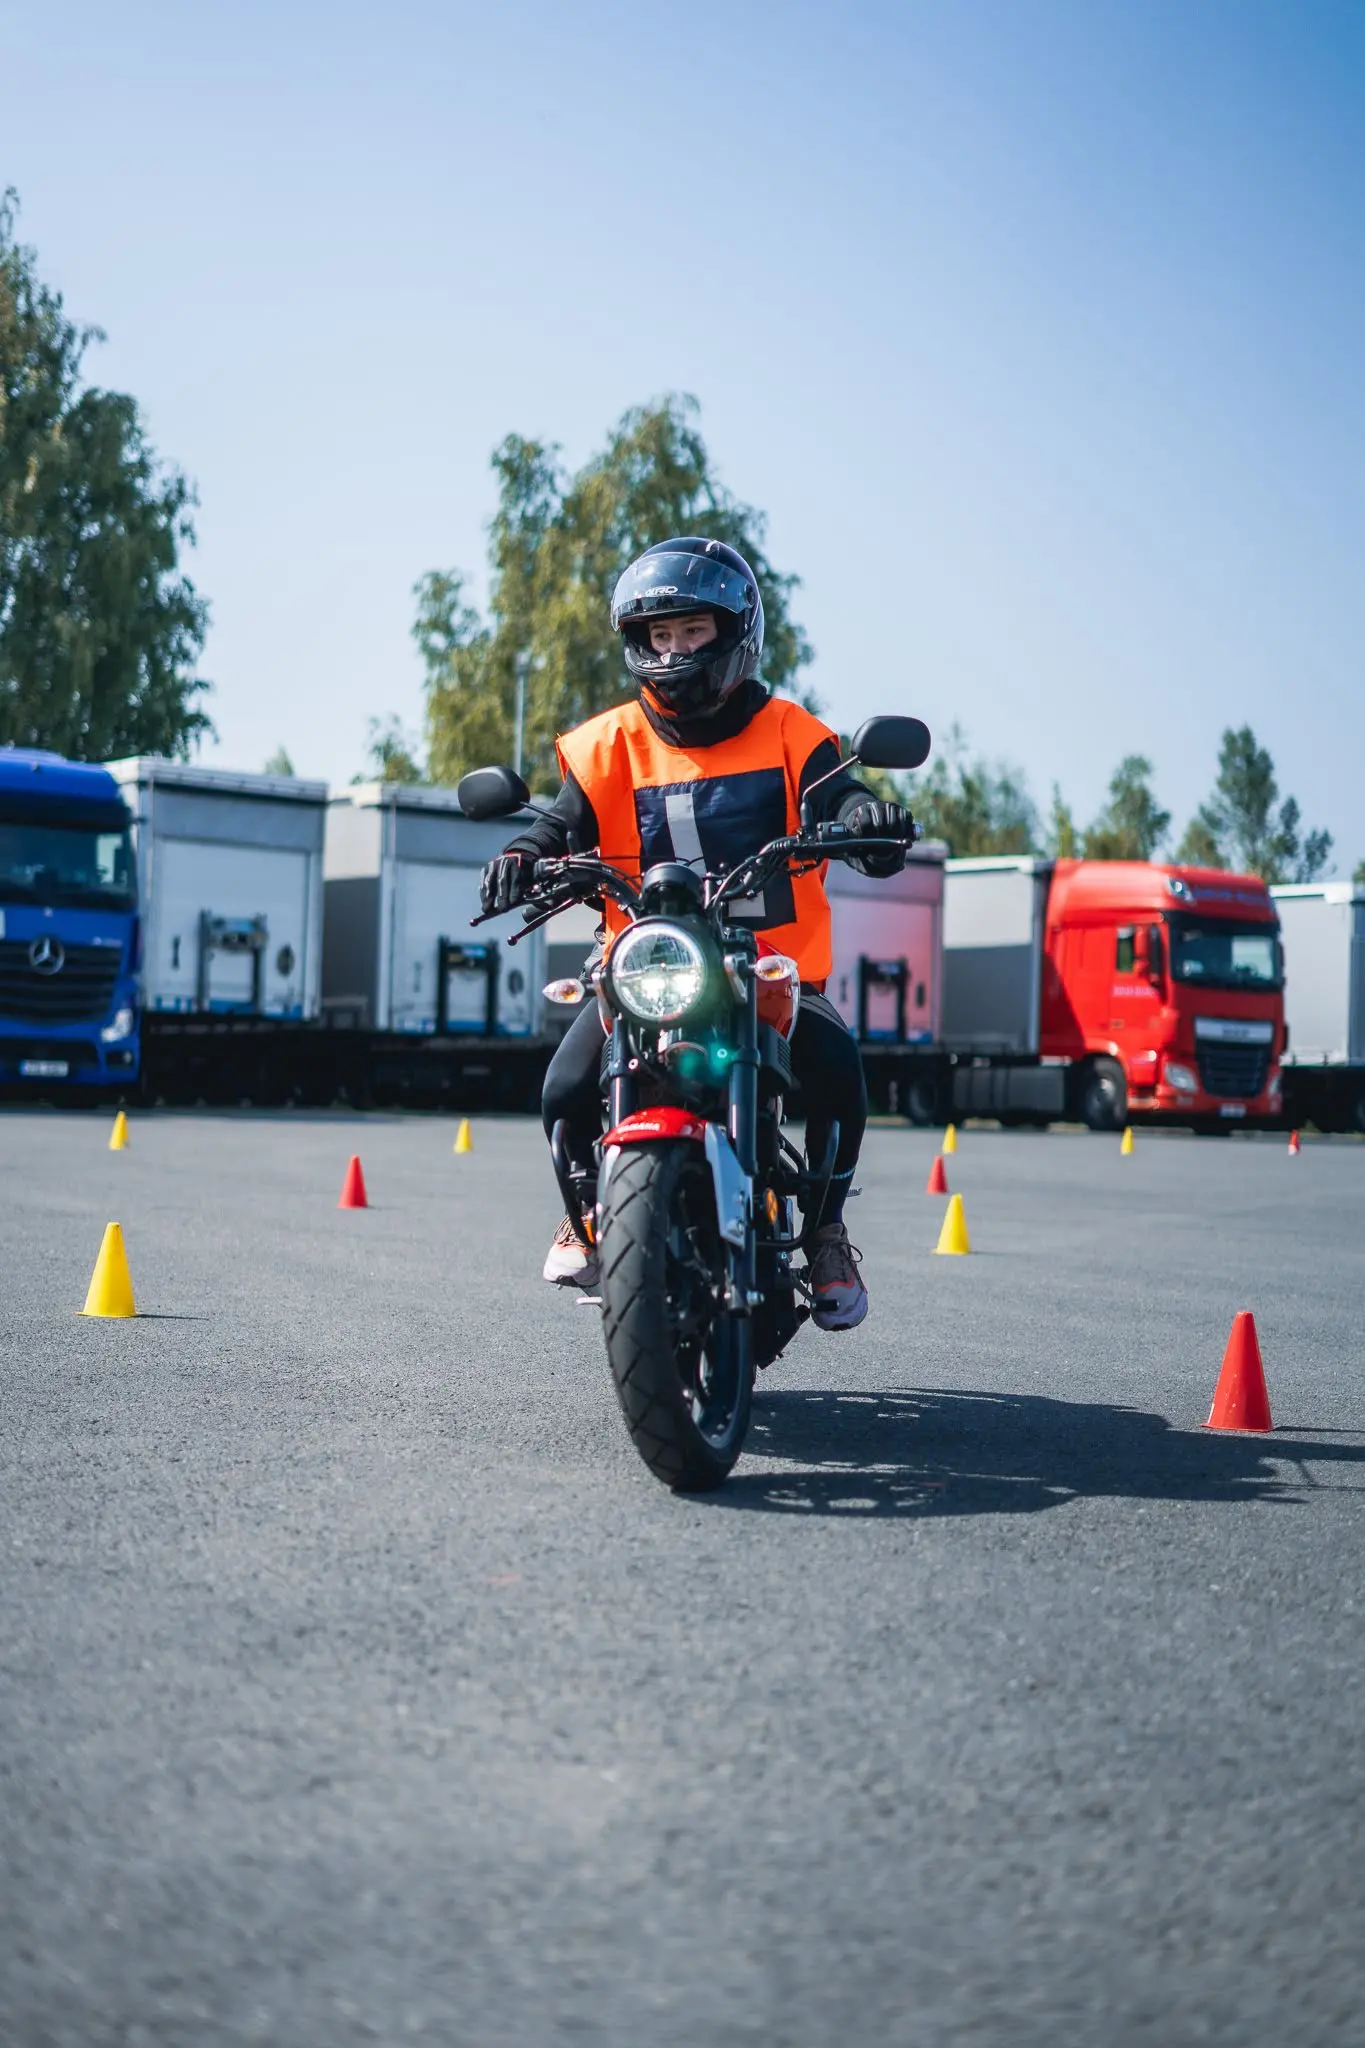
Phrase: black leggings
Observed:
(825, 1060)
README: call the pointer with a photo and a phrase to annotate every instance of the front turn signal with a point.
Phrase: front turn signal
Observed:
(569, 991)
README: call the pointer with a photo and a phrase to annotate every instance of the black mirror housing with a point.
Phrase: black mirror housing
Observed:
(892, 743)
(492, 793)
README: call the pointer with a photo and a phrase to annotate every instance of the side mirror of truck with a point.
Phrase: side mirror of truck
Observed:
(492, 793)
(892, 743)
(1147, 953)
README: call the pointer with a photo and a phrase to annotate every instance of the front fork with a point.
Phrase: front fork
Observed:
(578, 1178)
(577, 1183)
(742, 1129)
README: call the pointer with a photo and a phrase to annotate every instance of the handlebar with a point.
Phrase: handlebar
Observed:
(577, 875)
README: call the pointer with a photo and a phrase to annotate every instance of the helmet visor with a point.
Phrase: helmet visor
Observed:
(662, 586)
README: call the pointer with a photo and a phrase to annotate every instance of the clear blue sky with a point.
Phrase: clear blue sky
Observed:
(1036, 326)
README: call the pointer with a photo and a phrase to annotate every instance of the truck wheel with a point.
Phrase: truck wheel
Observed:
(1103, 1098)
(921, 1101)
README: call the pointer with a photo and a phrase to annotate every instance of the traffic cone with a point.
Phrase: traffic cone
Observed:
(110, 1292)
(950, 1138)
(953, 1237)
(118, 1137)
(464, 1138)
(938, 1179)
(1126, 1145)
(1240, 1400)
(1293, 1144)
(353, 1194)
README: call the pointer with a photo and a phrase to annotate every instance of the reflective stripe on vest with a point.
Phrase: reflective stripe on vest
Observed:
(714, 807)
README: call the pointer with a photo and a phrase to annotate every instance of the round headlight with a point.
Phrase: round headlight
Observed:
(657, 972)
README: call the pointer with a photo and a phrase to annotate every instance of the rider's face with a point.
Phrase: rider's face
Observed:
(684, 635)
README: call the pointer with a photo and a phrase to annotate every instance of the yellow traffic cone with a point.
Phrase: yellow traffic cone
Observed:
(464, 1138)
(953, 1237)
(118, 1137)
(950, 1138)
(111, 1284)
(1127, 1145)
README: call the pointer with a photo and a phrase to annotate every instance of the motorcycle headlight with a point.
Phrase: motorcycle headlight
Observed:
(657, 972)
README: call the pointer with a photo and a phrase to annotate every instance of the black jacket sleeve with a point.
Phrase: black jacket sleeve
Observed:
(571, 827)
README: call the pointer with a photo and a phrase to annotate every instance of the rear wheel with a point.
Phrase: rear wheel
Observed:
(681, 1365)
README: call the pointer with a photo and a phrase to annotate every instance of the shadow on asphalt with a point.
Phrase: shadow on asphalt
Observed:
(942, 1451)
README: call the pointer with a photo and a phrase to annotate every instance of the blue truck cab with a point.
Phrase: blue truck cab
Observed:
(70, 935)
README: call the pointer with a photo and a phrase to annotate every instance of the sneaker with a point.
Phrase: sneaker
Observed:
(838, 1297)
(568, 1264)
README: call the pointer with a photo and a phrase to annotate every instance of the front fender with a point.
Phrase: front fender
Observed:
(733, 1190)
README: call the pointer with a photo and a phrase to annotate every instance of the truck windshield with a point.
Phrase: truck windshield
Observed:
(65, 863)
(1222, 954)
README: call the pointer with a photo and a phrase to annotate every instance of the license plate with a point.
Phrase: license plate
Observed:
(1232, 1109)
(44, 1070)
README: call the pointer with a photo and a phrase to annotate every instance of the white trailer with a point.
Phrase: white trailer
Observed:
(1322, 925)
(994, 934)
(887, 978)
(230, 882)
(402, 869)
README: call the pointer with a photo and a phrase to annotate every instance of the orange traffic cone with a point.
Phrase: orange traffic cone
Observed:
(353, 1194)
(1293, 1144)
(938, 1179)
(1240, 1400)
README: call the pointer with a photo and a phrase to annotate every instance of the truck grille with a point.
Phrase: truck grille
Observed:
(81, 990)
(77, 1052)
(1232, 1069)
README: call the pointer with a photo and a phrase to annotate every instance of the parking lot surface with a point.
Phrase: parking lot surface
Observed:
(357, 1684)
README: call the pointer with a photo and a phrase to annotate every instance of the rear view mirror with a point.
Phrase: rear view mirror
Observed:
(492, 793)
(892, 743)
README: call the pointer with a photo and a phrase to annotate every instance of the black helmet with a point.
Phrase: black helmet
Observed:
(690, 575)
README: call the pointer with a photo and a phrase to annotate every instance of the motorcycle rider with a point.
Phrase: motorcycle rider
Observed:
(705, 764)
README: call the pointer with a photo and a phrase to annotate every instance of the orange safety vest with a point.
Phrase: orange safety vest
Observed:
(714, 806)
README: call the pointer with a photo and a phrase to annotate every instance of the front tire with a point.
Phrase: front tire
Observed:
(1104, 1096)
(682, 1370)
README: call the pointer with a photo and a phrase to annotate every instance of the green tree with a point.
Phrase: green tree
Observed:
(279, 763)
(1132, 824)
(1062, 841)
(99, 632)
(977, 806)
(1359, 872)
(393, 753)
(557, 544)
(1199, 847)
(1246, 825)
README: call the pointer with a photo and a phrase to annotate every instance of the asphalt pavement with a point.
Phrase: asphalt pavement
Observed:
(357, 1683)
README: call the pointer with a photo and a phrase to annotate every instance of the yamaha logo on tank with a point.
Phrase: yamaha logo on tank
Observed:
(47, 955)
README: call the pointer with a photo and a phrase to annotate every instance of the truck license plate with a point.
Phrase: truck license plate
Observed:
(1232, 1109)
(44, 1070)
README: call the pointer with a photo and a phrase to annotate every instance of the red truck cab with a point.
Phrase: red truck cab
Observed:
(1168, 984)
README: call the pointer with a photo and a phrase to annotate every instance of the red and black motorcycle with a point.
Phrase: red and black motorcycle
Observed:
(692, 1201)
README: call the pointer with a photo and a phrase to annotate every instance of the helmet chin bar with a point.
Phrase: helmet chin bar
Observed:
(688, 685)
(693, 699)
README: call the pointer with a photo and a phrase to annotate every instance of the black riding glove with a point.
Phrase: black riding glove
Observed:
(505, 881)
(870, 818)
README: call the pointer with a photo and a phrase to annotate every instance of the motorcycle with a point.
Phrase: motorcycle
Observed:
(692, 1200)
